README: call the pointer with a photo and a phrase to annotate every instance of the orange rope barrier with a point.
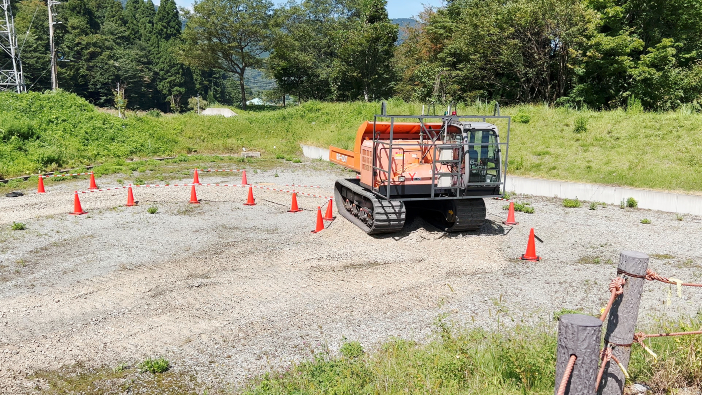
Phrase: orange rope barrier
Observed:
(653, 276)
(616, 288)
(566, 374)
(605, 356)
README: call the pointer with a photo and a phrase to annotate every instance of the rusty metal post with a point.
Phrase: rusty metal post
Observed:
(578, 335)
(622, 320)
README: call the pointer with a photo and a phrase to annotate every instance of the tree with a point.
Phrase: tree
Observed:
(363, 67)
(304, 47)
(167, 23)
(228, 35)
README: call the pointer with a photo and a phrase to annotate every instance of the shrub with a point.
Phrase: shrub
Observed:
(580, 125)
(522, 117)
(158, 365)
(351, 350)
(18, 226)
(154, 113)
(571, 203)
(631, 202)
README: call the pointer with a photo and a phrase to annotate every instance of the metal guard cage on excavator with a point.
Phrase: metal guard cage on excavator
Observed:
(460, 169)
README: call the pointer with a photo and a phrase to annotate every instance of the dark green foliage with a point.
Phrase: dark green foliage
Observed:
(363, 68)
(230, 36)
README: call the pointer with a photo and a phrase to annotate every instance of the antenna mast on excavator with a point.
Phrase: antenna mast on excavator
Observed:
(11, 78)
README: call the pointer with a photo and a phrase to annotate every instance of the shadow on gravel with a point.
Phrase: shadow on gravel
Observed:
(415, 223)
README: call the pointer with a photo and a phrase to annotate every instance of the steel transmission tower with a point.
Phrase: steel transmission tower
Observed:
(10, 78)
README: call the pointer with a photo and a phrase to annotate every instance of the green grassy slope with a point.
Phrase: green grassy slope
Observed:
(40, 132)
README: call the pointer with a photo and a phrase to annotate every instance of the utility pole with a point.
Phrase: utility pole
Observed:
(52, 47)
(10, 79)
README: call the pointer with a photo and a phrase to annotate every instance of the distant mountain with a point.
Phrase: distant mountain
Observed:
(403, 23)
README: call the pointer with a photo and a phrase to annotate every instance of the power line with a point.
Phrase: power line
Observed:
(26, 36)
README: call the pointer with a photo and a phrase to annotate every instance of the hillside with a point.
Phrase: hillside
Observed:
(639, 149)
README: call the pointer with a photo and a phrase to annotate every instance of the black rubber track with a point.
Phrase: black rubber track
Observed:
(388, 216)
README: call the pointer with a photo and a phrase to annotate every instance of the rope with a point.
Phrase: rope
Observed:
(566, 374)
(653, 276)
(616, 289)
(605, 356)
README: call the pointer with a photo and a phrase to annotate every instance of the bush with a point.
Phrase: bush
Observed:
(351, 350)
(631, 202)
(571, 203)
(580, 125)
(158, 365)
(522, 117)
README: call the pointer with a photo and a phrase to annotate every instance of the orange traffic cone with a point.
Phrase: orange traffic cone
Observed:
(193, 196)
(510, 216)
(77, 209)
(244, 181)
(40, 187)
(130, 197)
(293, 206)
(250, 200)
(531, 249)
(320, 223)
(92, 181)
(196, 178)
(329, 216)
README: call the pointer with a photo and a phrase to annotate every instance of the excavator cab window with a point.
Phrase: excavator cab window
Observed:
(482, 156)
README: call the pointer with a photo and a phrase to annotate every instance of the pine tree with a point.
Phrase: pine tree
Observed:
(130, 17)
(167, 23)
(145, 16)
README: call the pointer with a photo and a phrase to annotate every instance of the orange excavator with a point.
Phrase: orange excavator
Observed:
(442, 166)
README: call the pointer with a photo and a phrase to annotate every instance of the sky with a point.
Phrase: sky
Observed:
(396, 8)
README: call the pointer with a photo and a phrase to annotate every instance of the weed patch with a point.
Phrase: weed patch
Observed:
(632, 203)
(158, 365)
(523, 207)
(18, 226)
(571, 203)
(645, 221)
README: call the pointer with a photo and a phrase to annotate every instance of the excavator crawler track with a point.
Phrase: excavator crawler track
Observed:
(366, 210)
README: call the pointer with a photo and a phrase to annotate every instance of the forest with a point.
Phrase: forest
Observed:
(595, 54)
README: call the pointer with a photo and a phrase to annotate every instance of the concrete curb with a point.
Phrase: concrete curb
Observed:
(315, 152)
(646, 198)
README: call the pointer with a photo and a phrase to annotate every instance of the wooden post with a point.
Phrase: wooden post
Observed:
(622, 320)
(578, 335)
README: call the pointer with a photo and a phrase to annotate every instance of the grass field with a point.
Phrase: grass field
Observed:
(40, 132)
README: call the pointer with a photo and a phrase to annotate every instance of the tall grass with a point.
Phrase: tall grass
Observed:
(462, 361)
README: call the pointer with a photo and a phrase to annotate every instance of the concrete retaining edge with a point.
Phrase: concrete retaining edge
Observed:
(315, 152)
(647, 199)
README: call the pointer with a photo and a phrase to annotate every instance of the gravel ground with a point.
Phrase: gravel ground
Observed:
(226, 291)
